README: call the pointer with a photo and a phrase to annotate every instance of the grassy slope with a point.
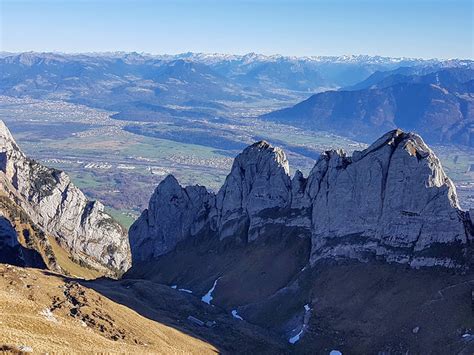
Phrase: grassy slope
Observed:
(70, 267)
(81, 319)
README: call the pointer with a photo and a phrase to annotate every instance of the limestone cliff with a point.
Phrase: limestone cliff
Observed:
(392, 201)
(174, 213)
(59, 209)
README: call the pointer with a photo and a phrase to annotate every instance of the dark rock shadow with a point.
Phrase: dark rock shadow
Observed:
(12, 252)
(171, 307)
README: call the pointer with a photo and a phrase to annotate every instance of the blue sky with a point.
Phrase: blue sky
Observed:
(414, 28)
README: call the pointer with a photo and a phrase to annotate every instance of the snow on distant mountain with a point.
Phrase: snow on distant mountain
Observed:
(80, 77)
(375, 93)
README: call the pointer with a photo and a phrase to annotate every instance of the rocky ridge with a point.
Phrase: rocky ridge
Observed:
(59, 209)
(391, 201)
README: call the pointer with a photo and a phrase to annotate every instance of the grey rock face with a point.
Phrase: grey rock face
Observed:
(174, 213)
(392, 201)
(256, 194)
(58, 207)
(257, 189)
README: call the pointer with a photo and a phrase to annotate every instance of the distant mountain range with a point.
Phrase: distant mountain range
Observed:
(356, 96)
(106, 80)
(436, 103)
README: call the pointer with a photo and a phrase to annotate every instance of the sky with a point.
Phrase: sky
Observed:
(408, 28)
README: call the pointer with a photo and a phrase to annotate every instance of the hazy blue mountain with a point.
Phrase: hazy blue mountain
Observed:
(103, 81)
(144, 87)
(402, 73)
(453, 79)
(65, 74)
(322, 71)
(439, 105)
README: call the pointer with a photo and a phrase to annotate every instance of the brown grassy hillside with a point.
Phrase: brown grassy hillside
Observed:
(47, 313)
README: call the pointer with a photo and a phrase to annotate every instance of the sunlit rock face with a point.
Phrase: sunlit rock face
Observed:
(392, 201)
(61, 210)
(257, 192)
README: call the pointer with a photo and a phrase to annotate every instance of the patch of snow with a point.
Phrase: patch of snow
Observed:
(48, 315)
(296, 338)
(185, 290)
(335, 352)
(236, 315)
(174, 287)
(25, 348)
(207, 298)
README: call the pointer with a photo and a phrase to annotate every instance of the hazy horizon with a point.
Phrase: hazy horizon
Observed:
(234, 54)
(425, 29)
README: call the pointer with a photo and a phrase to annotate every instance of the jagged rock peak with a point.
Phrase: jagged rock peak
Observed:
(5, 133)
(262, 145)
(409, 141)
(390, 138)
(174, 213)
(62, 211)
(169, 180)
(392, 201)
(414, 145)
(258, 181)
(263, 155)
(168, 184)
